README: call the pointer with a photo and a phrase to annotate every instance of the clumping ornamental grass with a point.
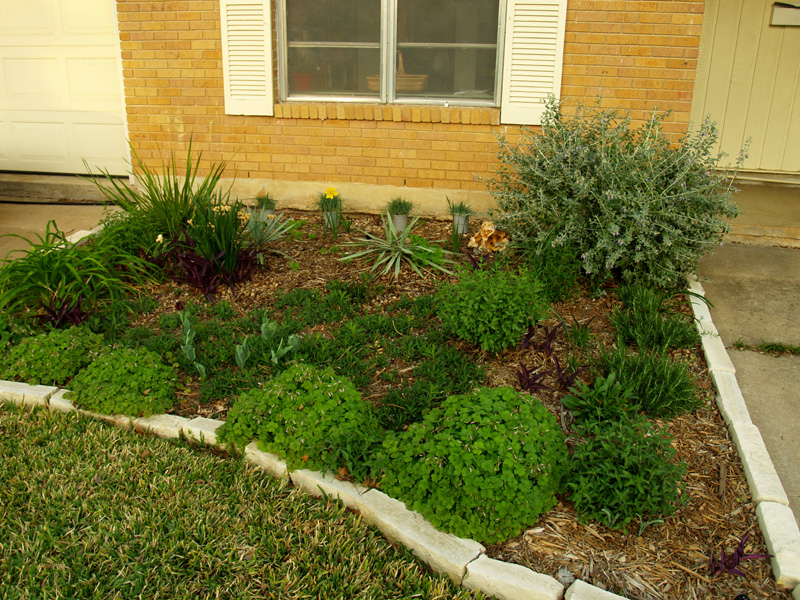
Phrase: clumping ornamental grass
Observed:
(92, 511)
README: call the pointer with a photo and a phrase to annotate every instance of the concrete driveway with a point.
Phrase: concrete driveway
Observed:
(28, 220)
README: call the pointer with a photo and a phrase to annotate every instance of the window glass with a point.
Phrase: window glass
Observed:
(447, 48)
(333, 46)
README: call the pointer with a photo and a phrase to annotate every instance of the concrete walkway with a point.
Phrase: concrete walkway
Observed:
(755, 291)
(30, 220)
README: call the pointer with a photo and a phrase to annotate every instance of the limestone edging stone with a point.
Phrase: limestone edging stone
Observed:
(507, 581)
(762, 478)
(730, 400)
(580, 590)
(166, 425)
(266, 460)
(23, 394)
(782, 536)
(58, 402)
(203, 430)
(317, 484)
(444, 552)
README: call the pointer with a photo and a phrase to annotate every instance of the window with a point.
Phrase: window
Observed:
(505, 53)
(391, 50)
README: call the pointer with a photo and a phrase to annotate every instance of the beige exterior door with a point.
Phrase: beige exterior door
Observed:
(60, 87)
(748, 81)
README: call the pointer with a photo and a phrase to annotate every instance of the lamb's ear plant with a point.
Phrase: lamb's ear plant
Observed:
(187, 343)
(242, 354)
(292, 345)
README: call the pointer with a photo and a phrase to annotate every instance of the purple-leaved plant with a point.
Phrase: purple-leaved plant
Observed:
(730, 563)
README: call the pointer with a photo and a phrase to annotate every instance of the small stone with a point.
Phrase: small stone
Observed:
(565, 576)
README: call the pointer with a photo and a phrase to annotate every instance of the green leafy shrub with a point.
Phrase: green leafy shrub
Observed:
(163, 202)
(651, 321)
(623, 470)
(606, 400)
(217, 232)
(125, 382)
(482, 465)
(491, 309)
(664, 388)
(558, 268)
(628, 199)
(54, 274)
(51, 358)
(310, 417)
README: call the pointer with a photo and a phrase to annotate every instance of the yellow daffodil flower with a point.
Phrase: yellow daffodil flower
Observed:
(330, 192)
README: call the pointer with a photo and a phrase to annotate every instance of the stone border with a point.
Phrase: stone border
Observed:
(775, 518)
(464, 560)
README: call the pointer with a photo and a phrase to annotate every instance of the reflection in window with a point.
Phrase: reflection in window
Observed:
(445, 49)
(332, 45)
(454, 42)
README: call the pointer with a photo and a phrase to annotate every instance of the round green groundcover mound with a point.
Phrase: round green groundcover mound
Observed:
(125, 382)
(482, 465)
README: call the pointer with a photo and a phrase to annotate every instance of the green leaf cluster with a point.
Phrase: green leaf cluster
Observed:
(125, 382)
(606, 400)
(623, 470)
(217, 230)
(51, 358)
(650, 320)
(491, 308)
(483, 465)
(54, 271)
(664, 387)
(635, 201)
(163, 201)
(311, 417)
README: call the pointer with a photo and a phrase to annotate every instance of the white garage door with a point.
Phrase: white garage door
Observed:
(60, 87)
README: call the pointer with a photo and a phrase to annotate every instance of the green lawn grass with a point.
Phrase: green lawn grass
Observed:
(91, 511)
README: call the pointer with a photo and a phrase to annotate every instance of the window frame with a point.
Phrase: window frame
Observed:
(388, 71)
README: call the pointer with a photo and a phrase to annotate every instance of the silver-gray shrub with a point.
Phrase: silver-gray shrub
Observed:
(630, 201)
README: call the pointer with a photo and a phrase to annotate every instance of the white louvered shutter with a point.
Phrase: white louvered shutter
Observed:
(247, 56)
(533, 56)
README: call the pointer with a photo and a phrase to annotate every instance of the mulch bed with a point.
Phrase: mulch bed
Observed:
(669, 558)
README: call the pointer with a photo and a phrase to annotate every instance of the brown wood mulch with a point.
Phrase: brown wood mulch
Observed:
(667, 558)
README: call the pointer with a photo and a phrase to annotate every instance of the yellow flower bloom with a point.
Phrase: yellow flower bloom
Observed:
(160, 239)
(330, 192)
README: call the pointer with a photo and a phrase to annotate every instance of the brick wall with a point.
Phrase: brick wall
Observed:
(638, 55)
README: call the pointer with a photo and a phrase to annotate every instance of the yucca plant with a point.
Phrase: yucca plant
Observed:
(395, 248)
